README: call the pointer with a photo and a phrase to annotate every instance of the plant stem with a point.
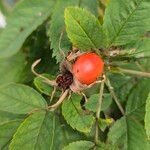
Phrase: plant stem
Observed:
(46, 80)
(111, 90)
(134, 72)
(61, 99)
(98, 110)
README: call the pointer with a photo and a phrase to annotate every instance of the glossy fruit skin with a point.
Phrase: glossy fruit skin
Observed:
(87, 68)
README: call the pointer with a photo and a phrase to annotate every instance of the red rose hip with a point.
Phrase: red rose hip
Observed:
(87, 68)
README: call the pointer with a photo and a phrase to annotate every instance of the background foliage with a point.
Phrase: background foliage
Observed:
(34, 29)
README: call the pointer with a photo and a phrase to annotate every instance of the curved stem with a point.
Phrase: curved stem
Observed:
(61, 99)
(53, 92)
(98, 110)
(111, 90)
(134, 72)
(46, 80)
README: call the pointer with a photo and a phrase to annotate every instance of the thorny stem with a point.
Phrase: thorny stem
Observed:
(111, 90)
(98, 110)
(134, 72)
(61, 99)
(46, 80)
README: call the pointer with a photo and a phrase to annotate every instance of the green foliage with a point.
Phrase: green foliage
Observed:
(7, 117)
(83, 29)
(42, 86)
(12, 68)
(24, 19)
(128, 134)
(56, 30)
(84, 145)
(126, 20)
(90, 6)
(57, 27)
(20, 99)
(40, 132)
(75, 116)
(137, 99)
(7, 130)
(142, 49)
(92, 102)
(48, 30)
(147, 116)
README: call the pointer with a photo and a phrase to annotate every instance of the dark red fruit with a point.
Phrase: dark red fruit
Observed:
(65, 80)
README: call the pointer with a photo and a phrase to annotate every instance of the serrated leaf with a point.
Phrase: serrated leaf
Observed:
(25, 18)
(7, 131)
(42, 86)
(84, 145)
(92, 102)
(75, 116)
(45, 131)
(128, 134)
(11, 68)
(84, 29)
(57, 26)
(135, 106)
(20, 99)
(147, 117)
(126, 20)
(36, 132)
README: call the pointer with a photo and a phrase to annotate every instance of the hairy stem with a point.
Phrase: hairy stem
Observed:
(46, 80)
(134, 72)
(61, 99)
(111, 90)
(98, 110)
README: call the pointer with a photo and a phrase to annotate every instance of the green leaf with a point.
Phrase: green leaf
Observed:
(66, 134)
(7, 117)
(128, 134)
(36, 132)
(7, 131)
(126, 20)
(135, 106)
(12, 68)
(24, 19)
(20, 99)
(84, 145)
(104, 123)
(91, 6)
(75, 116)
(44, 130)
(42, 86)
(142, 49)
(147, 117)
(84, 29)
(123, 85)
(57, 26)
(92, 102)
